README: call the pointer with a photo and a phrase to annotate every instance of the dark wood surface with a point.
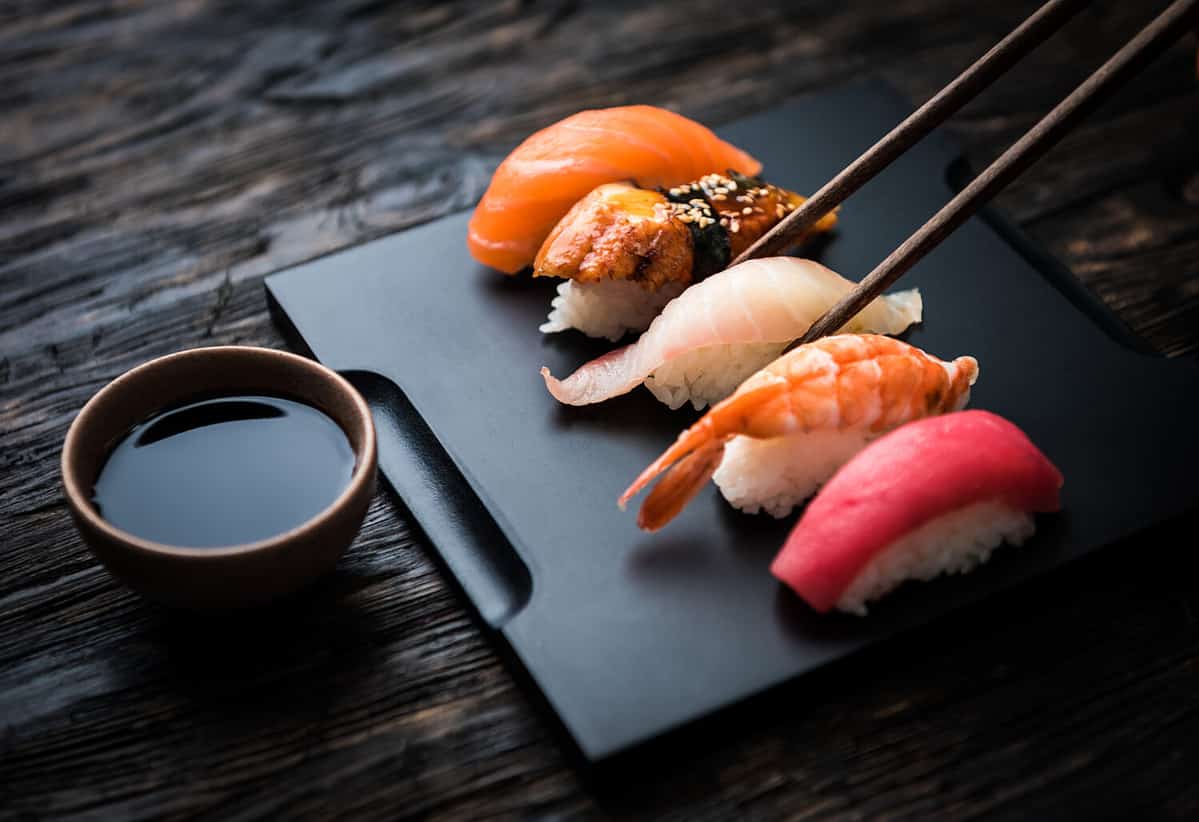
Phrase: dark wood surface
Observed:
(157, 159)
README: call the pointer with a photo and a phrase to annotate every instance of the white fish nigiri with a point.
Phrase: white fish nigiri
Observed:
(723, 329)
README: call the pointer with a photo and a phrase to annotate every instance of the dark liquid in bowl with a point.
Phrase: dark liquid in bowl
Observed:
(224, 471)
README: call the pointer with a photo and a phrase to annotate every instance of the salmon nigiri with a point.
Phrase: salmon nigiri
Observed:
(790, 426)
(934, 496)
(718, 332)
(549, 172)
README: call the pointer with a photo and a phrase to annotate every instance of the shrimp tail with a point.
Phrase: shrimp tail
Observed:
(723, 421)
(966, 372)
(694, 438)
(681, 483)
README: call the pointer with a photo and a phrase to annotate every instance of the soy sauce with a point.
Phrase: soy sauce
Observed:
(223, 471)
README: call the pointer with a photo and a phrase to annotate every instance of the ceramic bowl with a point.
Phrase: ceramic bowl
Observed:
(237, 575)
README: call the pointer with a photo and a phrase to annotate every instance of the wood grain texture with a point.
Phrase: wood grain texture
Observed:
(157, 159)
(1140, 51)
(1033, 31)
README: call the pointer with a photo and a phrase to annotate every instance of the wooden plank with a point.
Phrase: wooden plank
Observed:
(157, 159)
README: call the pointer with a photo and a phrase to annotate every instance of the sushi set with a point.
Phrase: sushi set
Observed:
(579, 343)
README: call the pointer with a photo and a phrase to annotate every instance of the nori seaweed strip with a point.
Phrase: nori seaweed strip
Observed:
(745, 182)
(711, 242)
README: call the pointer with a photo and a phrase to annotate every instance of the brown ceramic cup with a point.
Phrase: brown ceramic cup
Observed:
(237, 575)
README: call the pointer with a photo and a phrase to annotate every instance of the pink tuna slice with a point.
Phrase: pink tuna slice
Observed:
(916, 473)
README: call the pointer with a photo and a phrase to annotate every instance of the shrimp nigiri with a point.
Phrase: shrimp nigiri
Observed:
(790, 426)
(934, 496)
(554, 168)
(707, 341)
(625, 252)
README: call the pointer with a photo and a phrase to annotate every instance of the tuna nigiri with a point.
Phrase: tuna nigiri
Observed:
(717, 333)
(790, 426)
(553, 169)
(932, 497)
(625, 251)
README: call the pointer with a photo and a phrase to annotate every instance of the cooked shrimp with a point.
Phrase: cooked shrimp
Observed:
(853, 387)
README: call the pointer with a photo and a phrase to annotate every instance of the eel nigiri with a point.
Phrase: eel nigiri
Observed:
(625, 251)
(554, 168)
(932, 497)
(790, 426)
(705, 343)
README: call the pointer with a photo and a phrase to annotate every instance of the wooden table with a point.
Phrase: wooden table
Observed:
(157, 159)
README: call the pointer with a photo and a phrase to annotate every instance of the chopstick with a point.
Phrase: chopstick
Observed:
(1153, 39)
(986, 70)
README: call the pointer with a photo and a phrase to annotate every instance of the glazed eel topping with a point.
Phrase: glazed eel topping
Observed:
(675, 235)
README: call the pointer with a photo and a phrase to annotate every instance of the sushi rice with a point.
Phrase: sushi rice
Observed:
(709, 374)
(775, 475)
(607, 308)
(956, 543)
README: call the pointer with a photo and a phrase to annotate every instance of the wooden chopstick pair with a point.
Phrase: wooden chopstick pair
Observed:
(1151, 41)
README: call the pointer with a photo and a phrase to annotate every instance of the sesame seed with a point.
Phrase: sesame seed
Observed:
(719, 197)
(747, 210)
(684, 218)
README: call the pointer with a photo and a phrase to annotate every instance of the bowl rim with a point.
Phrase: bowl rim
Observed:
(78, 499)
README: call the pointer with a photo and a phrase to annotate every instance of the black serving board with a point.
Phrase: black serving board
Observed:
(628, 635)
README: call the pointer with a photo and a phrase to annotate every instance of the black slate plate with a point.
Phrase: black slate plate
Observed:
(628, 635)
